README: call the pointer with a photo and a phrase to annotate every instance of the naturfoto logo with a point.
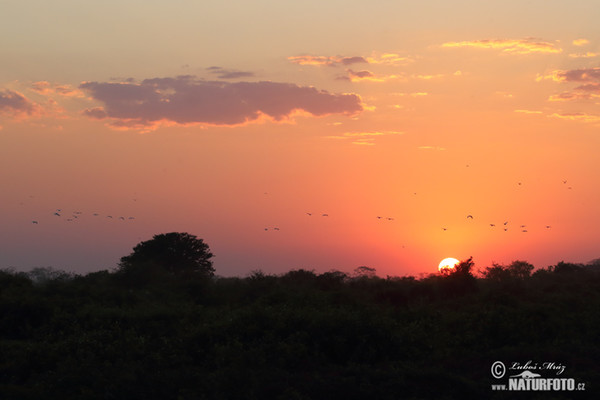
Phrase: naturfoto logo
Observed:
(523, 377)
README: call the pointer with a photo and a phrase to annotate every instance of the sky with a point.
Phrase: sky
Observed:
(317, 134)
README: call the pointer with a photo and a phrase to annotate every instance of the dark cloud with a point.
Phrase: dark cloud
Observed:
(16, 103)
(353, 60)
(589, 89)
(360, 74)
(187, 100)
(579, 75)
(223, 73)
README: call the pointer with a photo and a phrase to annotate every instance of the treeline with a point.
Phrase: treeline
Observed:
(151, 333)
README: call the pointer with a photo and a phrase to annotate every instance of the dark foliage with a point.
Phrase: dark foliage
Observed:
(175, 252)
(300, 335)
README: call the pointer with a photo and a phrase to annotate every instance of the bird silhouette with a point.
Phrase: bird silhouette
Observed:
(57, 214)
(378, 217)
(470, 216)
(325, 215)
(34, 222)
(309, 214)
(276, 229)
(390, 218)
(505, 223)
(492, 225)
(444, 229)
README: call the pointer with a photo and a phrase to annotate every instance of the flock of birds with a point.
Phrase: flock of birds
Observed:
(505, 224)
(75, 215)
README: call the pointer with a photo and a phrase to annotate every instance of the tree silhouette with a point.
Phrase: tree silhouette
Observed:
(174, 252)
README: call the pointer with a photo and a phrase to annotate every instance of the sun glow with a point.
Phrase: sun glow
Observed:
(448, 264)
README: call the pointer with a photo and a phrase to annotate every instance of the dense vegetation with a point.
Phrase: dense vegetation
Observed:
(155, 334)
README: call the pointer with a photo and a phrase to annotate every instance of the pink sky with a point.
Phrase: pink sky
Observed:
(231, 120)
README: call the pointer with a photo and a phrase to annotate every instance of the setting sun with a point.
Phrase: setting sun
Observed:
(447, 264)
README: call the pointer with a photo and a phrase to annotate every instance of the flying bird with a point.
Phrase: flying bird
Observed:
(378, 217)
(505, 223)
(548, 227)
(492, 225)
(325, 215)
(57, 214)
(470, 216)
(390, 218)
(34, 222)
(309, 214)
(276, 229)
(444, 229)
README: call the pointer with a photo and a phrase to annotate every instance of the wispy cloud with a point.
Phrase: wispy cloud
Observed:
(326, 60)
(364, 75)
(510, 46)
(365, 137)
(50, 89)
(17, 105)
(588, 54)
(437, 148)
(393, 59)
(223, 73)
(389, 59)
(188, 100)
(580, 42)
(580, 117)
(528, 112)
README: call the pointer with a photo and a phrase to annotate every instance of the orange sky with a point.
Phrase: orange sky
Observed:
(226, 120)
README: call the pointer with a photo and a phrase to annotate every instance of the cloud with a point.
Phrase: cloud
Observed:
(188, 100)
(588, 77)
(326, 60)
(364, 75)
(332, 61)
(528, 112)
(580, 42)
(431, 148)
(389, 59)
(48, 89)
(588, 54)
(366, 138)
(510, 46)
(16, 104)
(580, 117)
(223, 73)
(577, 75)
